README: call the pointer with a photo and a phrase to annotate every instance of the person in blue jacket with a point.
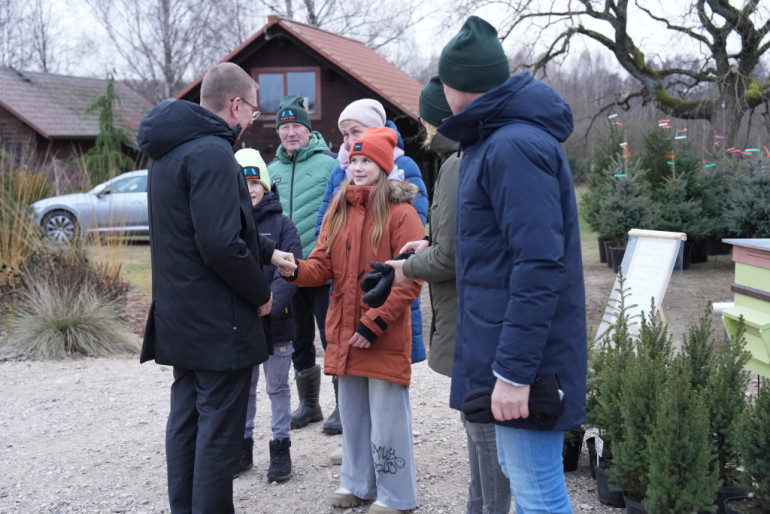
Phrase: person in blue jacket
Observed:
(521, 297)
(280, 330)
(353, 121)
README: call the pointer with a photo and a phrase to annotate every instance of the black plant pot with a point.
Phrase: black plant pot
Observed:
(591, 445)
(607, 244)
(607, 497)
(570, 450)
(729, 492)
(717, 247)
(699, 252)
(617, 257)
(602, 248)
(633, 506)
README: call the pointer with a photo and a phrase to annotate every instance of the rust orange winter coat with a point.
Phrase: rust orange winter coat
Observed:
(389, 356)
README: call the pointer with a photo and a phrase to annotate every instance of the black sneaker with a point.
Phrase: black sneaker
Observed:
(246, 462)
(280, 460)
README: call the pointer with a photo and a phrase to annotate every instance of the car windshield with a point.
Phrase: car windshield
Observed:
(98, 189)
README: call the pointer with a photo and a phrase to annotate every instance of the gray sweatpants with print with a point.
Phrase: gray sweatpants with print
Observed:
(377, 451)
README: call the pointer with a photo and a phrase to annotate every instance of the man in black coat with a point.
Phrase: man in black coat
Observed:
(208, 288)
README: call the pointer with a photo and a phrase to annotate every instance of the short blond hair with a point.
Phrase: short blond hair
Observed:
(430, 133)
(222, 82)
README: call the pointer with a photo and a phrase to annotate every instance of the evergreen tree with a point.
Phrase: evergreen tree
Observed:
(679, 449)
(642, 383)
(754, 446)
(107, 159)
(725, 399)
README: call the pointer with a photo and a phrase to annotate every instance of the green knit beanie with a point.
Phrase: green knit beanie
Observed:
(474, 60)
(433, 105)
(292, 110)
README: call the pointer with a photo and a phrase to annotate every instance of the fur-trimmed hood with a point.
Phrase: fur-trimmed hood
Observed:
(402, 192)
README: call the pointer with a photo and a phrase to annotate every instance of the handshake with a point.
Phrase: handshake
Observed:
(285, 262)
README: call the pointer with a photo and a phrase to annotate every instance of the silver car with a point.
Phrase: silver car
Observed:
(118, 206)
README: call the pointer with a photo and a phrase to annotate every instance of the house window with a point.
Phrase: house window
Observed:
(276, 83)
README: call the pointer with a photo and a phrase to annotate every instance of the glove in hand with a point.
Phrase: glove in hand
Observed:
(378, 282)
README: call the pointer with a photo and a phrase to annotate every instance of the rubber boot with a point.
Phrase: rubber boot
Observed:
(308, 389)
(333, 425)
(280, 460)
(246, 461)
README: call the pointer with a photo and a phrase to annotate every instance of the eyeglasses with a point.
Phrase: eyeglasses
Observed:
(254, 110)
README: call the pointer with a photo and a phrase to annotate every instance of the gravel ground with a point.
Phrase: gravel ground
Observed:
(88, 435)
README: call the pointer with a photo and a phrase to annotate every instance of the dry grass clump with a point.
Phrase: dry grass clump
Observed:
(18, 236)
(64, 307)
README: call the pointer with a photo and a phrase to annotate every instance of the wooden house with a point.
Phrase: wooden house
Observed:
(45, 114)
(287, 57)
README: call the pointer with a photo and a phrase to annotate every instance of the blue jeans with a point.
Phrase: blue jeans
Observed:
(277, 368)
(489, 491)
(532, 461)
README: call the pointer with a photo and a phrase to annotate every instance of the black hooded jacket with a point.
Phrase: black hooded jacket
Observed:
(207, 279)
(272, 224)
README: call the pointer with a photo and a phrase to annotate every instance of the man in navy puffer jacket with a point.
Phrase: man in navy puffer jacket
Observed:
(521, 297)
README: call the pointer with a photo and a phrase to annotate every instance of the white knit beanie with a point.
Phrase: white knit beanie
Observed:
(367, 112)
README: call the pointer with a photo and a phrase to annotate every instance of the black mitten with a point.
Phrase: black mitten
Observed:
(546, 404)
(381, 290)
(477, 405)
(370, 280)
(378, 282)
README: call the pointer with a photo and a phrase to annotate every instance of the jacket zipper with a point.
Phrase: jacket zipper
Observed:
(291, 192)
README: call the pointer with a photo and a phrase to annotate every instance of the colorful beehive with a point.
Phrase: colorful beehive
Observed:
(752, 300)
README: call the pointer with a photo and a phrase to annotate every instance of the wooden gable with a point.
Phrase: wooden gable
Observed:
(347, 70)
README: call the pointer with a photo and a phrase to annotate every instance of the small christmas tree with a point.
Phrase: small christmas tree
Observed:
(753, 444)
(681, 476)
(643, 380)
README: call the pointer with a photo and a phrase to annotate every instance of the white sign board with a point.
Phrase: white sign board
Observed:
(647, 265)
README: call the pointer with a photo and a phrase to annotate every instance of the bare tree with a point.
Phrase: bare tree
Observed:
(44, 34)
(29, 38)
(386, 28)
(13, 50)
(163, 42)
(719, 83)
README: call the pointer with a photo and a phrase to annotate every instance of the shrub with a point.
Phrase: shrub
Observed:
(754, 446)
(642, 383)
(63, 307)
(609, 361)
(725, 398)
(679, 448)
(623, 202)
(747, 211)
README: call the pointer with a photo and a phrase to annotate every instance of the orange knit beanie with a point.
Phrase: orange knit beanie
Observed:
(377, 143)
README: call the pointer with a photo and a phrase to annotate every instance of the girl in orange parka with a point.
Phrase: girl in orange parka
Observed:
(369, 349)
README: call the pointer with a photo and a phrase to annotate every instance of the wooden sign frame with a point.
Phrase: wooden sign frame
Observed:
(647, 266)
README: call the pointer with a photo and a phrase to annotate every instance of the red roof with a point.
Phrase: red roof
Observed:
(352, 56)
(55, 105)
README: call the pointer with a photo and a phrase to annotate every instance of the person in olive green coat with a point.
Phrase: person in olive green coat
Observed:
(300, 172)
(488, 488)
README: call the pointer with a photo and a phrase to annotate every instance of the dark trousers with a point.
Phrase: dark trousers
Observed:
(204, 437)
(309, 303)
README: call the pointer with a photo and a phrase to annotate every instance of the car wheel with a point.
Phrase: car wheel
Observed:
(60, 226)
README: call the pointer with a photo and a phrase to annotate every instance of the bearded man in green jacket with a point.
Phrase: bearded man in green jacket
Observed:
(300, 172)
